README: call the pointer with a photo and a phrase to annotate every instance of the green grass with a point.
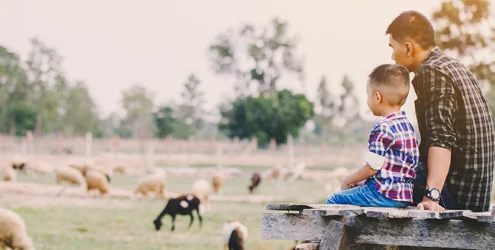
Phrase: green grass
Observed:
(127, 224)
(63, 228)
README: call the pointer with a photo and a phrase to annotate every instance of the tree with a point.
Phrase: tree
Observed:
(347, 115)
(193, 100)
(43, 70)
(13, 87)
(164, 121)
(328, 107)
(267, 117)
(80, 111)
(256, 55)
(138, 104)
(465, 29)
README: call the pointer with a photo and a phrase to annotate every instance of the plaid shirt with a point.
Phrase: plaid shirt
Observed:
(393, 139)
(452, 113)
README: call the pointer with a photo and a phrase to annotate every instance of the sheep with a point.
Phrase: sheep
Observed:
(234, 235)
(183, 205)
(120, 169)
(218, 181)
(9, 174)
(97, 180)
(13, 233)
(201, 189)
(255, 181)
(71, 175)
(152, 183)
(19, 165)
(276, 173)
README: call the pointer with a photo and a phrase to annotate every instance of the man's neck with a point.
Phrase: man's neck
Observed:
(420, 58)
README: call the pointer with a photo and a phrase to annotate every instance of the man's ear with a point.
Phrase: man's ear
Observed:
(409, 48)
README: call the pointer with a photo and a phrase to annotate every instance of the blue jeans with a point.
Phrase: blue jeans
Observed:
(364, 196)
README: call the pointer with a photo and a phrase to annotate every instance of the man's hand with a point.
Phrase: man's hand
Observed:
(428, 204)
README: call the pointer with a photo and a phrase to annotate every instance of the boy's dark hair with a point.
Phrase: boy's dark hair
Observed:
(414, 25)
(392, 81)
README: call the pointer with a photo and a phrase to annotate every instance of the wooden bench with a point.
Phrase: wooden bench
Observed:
(353, 227)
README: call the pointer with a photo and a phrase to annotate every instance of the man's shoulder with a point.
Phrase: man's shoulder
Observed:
(443, 64)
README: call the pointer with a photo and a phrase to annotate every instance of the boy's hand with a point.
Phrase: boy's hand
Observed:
(346, 185)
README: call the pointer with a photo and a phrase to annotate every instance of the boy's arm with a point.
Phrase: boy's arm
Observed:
(360, 175)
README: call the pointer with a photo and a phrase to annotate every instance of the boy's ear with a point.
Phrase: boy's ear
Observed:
(378, 97)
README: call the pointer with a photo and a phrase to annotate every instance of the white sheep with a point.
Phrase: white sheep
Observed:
(154, 183)
(13, 233)
(9, 174)
(234, 234)
(71, 175)
(97, 180)
(202, 189)
(218, 181)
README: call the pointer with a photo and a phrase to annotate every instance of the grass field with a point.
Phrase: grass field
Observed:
(115, 223)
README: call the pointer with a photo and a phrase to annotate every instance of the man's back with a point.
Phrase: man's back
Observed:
(446, 89)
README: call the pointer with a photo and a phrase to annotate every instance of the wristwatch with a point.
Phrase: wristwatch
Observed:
(433, 194)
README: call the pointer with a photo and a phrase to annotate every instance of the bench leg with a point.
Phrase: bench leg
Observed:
(336, 237)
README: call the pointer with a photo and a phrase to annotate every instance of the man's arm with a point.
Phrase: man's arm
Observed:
(360, 175)
(440, 110)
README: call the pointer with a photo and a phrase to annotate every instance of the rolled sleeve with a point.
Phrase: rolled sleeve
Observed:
(381, 140)
(440, 109)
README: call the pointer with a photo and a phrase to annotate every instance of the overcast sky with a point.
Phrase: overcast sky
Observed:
(112, 44)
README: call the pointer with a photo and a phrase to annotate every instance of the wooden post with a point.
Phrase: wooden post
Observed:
(29, 142)
(254, 144)
(89, 142)
(59, 143)
(115, 145)
(290, 143)
(336, 237)
(273, 144)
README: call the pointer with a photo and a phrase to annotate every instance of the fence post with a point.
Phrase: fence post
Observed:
(29, 142)
(59, 143)
(89, 141)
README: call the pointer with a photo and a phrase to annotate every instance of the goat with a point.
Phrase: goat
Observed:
(255, 181)
(183, 205)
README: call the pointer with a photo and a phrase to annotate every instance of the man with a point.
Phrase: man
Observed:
(457, 137)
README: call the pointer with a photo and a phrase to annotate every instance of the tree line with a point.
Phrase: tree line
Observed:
(36, 94)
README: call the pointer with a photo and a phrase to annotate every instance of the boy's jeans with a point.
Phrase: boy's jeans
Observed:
(364, 196)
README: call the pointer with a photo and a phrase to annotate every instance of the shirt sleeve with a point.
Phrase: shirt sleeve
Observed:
(381, 140)
(440, 109)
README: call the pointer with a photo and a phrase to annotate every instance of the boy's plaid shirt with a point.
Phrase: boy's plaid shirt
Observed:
(453, 114)
(393, 138)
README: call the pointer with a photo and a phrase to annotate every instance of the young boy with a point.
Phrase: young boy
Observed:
(393, 154)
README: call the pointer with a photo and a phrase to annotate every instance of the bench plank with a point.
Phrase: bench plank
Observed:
(455, 234)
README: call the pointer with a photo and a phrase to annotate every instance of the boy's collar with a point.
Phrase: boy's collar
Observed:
(394, 115)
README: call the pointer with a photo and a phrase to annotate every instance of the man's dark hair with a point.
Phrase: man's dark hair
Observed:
(392, 81)
(414, 25)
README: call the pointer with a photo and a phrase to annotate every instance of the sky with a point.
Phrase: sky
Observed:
(114, 44)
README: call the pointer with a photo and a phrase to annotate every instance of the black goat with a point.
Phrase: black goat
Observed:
(183, 205)
(255, 181)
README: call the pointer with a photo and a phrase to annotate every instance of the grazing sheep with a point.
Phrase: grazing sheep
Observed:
(255, 181)
(154, 183)
(183, 205)
(13, 233)
(71, 175)
(79, 167)
(234, 235)
(218, 181)
(97, 180)
(9, 174)
(19, 165)
(202, 189)
(276, 173)
(119, 170)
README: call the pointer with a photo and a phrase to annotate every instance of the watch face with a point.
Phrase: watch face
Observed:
(435, 194)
